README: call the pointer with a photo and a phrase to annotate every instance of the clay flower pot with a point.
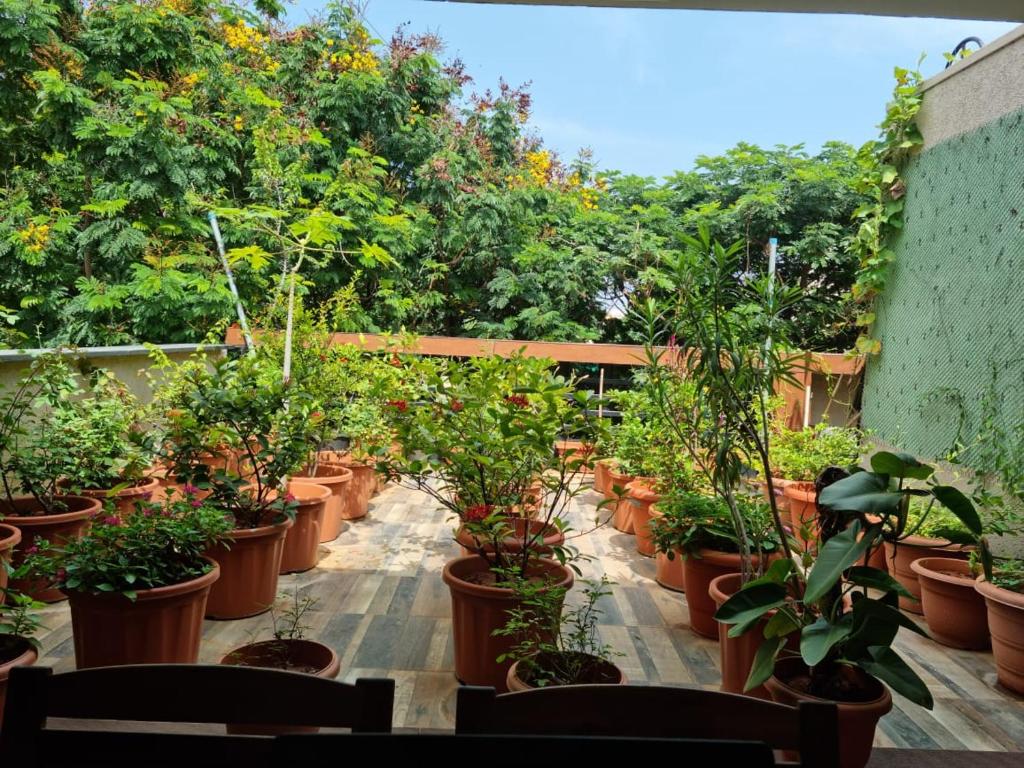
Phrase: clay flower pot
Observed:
(23, 654)
(56, 529)
(479, 608)
(622, 520)
(361, 487)
(1006, 623)
(124, 500)
(552, 537)
(781, 499)
(600, 672)
(803, 509)
(160, 626)
(641, 497)
(9, 538)
(302, 541)
(954, 609)
(699, 570)
(602, 480)
(249, 565)
(668, 572)
(736, 653)
(857, 720)
(305, 656)
(901, 555)
(338, 479)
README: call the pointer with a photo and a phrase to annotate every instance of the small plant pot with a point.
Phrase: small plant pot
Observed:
(901, 555)
(339, 480)
(302, 542)
(9, 538)
(699, 570)
(781, 499)
(305, 656)
(954, 609)
(1006, 624)
(622, 519)
(669, 571)
(550, 537)
(57, 529)
(736, 653)
(479, 608)
(803, 510)
(361, 487)
(21, 654)
(857, 720)
(596, 672)
(125, 499)
(641, 497)
(160, 626)
(602, 480)
(249, 565)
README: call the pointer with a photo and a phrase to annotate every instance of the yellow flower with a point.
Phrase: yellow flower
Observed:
(35, 236)
(238, 122)
(538, 166)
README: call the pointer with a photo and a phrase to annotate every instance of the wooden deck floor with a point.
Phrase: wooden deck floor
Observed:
(383, 608)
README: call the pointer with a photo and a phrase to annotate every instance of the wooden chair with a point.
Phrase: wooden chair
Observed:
(654, 712)
(175, 693)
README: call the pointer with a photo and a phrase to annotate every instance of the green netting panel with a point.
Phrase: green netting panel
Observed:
(951, 321)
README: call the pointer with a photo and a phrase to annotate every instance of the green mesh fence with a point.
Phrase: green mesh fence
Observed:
(951, 321)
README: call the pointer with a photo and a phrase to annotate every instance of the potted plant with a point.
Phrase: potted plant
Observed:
(1003, 590)
(288, 650)
(138, 584)
(33, 454)
(478, 439)
(18, 625)
(632, 468)
(556, 646)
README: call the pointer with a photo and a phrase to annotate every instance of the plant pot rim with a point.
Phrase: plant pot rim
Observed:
(260, 530)
(342, 475)
(926, 567)
(324, 671)
(643, 493)
(476, 564)
(90, 507)
(310, 494)
(138, 488)
(28, 655)
(999, 594)
(884, 699)
(801, 490)
(924, 542)
(622, 476)
(513, 672)
(154, 593)
(10, 536)
(715, 587)
(718, 557)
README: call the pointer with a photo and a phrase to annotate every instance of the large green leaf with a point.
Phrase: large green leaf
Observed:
(817, 639)
(764, 662)
(900, 465)
(873, 578)
(751, 603)
(835, 556)
(885, 664)
(961, 506)
(780, 624)
(861, 492)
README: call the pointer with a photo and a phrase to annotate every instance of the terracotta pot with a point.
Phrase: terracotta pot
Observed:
(622, 520)
(552, 537)
(803, 510)
(305, 656)
(361, 487)
(857, 720)
(124, 500)
(56, 529)
(641, 497)
(736, 653)
(610, 467)
(302, 542)
(669, 573)
(338, 479)
(601, 673)
(954, 609)
(781, 499)
(9, 538)
(160, 626)
(699, 570)
(249, 565)
(1006, 623)
(602, 480)
(899, 558)
(22, 655)
(477, 610)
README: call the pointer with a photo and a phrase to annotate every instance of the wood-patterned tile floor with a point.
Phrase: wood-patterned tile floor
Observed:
(382, 606)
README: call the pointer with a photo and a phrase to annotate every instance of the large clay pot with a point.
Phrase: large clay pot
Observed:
(551, 537)
(857, 720)
(622, 520)
(641, 497)
(699, 570)
(361, 487)
(803, 510)
(124, 500)
(338, 479)
(249, 564)
(305, 656)
(1006, 624)
(302, 542)
(900, 556)
(668, 571)
(56, 529)
(736, 653)
(601, 672)
(160, 626)
(954, 609)
(9, 538)
(478, 608)
(781, 499)
(602, 480)
(22, 654)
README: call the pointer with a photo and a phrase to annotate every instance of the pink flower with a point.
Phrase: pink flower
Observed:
(147, 512)
(147, 495)
(196, 504)
(519, 401)
(189, 489)
(61, 574)
(32, 550)
(289, 497)
(112, 520)
(479, 513)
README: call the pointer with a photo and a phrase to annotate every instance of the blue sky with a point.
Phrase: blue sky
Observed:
(648, 91)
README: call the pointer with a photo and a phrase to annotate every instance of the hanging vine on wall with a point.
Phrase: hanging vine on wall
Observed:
(881, 220)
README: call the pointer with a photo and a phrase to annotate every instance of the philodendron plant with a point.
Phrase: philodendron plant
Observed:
(841, 625)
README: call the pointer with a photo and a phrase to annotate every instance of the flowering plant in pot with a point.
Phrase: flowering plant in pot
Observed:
(138, 584)
(18, 624)
(556, 646)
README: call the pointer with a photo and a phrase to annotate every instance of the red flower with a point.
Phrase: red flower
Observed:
(61, 574)
(289, 498)
(519, 401)
(395, 361)
(113, 520)
(32, 550)
(196, 503)
(478, 513)
(457, 405)
(399, 405)
(190, 490)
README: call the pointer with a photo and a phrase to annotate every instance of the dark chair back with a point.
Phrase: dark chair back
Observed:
(653, 712)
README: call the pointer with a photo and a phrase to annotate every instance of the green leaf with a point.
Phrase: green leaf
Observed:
(900, 465)
(861, 492)
(817, 639)
(873, 578)
(764, 662)
(751, 602)
(885, 664)
(780, 624)
(835, 556)
(957, 503)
